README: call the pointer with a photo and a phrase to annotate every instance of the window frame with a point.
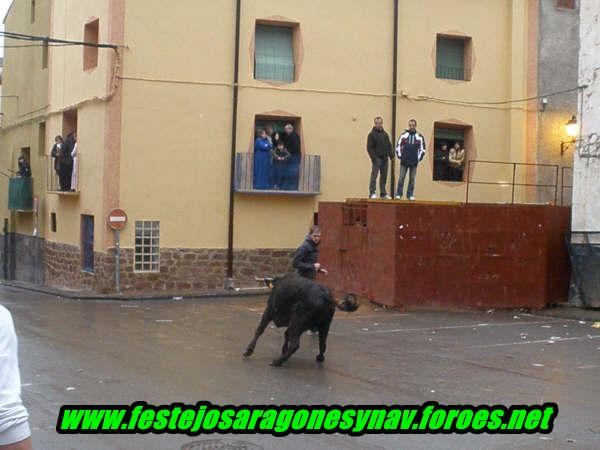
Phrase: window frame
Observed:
(467, 56)
(297, 50)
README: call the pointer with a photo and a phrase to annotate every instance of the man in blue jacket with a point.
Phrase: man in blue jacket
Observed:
(306, 258)
(411, 151)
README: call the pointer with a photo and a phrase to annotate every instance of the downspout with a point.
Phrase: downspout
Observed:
(229, 278)
(394, 97)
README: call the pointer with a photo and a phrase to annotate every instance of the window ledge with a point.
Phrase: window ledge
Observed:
(273, 192)
(66, 193)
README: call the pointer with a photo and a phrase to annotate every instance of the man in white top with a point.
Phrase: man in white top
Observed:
(14, 426)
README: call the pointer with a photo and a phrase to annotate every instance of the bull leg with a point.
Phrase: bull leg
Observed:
(323, 331)
(264, 321)
(286, 343)
(293, 340)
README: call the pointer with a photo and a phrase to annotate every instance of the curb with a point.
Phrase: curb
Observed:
(78, 295)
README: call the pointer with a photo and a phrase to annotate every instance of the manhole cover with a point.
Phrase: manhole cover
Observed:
(218, 444)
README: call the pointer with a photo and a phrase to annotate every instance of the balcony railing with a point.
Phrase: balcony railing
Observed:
(452, 73)
(303, 180)
(20, 194)
(53, 184)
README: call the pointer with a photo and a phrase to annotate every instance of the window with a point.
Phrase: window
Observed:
(53, 222)
(450, 155)
(45, 55)
(32, 11)
(26, 153)
(565, 4)
(274, 53)
(90, 53)
(69, 122)
(453, 57)
(87, 243)
(42, 138)
(147, 249)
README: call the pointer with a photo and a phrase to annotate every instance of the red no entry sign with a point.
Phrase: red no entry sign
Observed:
(117, 219)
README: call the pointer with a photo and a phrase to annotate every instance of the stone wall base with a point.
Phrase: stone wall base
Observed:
(181, 270)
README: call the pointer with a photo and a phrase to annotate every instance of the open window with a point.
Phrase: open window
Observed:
(451, 152)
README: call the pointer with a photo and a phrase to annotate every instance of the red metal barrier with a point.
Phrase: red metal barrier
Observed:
(426, 254)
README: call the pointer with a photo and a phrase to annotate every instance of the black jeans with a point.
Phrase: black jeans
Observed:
(378, 166)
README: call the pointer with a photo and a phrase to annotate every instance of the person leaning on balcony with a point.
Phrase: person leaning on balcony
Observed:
(281, 157)
(457, 162)
(379, 148)
(24, 167)
(66, 163)
(291, 141)
(262, 161)
(306, 258)
(56, 152)
(411, 151)
(440, 163)
(14, 419)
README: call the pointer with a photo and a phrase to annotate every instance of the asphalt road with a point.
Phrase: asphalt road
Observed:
(110, 352)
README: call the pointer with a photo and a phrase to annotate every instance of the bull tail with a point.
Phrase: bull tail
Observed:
(349, 303)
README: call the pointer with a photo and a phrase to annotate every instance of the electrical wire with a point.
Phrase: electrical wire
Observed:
(31, 37)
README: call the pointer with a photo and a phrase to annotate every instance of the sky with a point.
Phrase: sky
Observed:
(4, 4)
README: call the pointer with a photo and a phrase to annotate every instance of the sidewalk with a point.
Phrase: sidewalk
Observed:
(90, 295)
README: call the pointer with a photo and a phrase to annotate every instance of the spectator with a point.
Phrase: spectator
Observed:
(14, 427)
(281, 157)
(410, 150)
(457, 161)
(24, 167)
(75, 173)
(440, 163)
(66, 163)
(56, 153)
(307, 255)
(291, 141)
(379, 148)
(262, 161)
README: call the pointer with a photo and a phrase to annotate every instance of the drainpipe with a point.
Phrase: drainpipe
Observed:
(394, 97)
(229, 277)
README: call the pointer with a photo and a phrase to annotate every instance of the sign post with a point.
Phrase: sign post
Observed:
(117, 219)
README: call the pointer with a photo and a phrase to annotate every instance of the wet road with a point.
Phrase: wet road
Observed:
(75, 352)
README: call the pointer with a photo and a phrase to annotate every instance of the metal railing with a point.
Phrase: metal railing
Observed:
(452, 73)
(564, 186)
(305, 179)
(53, 180)
(513, 183)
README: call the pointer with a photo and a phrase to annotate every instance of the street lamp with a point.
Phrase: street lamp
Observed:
(572, 130)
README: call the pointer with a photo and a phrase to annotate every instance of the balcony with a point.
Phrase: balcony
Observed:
(306, 183)
(20, 194)
(53, 185)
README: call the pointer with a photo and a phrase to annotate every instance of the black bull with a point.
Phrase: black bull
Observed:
(300, 304)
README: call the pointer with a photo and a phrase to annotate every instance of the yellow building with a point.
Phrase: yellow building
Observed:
(156, 126)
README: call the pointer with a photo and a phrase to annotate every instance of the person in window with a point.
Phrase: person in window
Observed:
(306, 258)
(75, 171)
(24, 167)
(66, 163)
(56, 153)
(262, 161)
(411, 151)
(457, 162)
(440, 163)
(281, 157)
(15, 433)
(291, 141)
(379, 148)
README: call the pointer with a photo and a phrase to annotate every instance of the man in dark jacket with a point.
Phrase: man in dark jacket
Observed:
(291, 141)
(307, 256)
(66, 163)
(379, 148)
(411, 151)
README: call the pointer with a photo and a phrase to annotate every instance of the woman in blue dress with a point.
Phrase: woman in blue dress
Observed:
(262, 161)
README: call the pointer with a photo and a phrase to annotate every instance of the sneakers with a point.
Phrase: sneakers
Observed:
(397, 197)
(412, 198)
(387, 197)
(373, 196)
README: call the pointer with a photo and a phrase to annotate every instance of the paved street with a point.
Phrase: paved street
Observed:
(87, 352)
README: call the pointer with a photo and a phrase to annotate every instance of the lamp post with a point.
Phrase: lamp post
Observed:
(572, 129)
